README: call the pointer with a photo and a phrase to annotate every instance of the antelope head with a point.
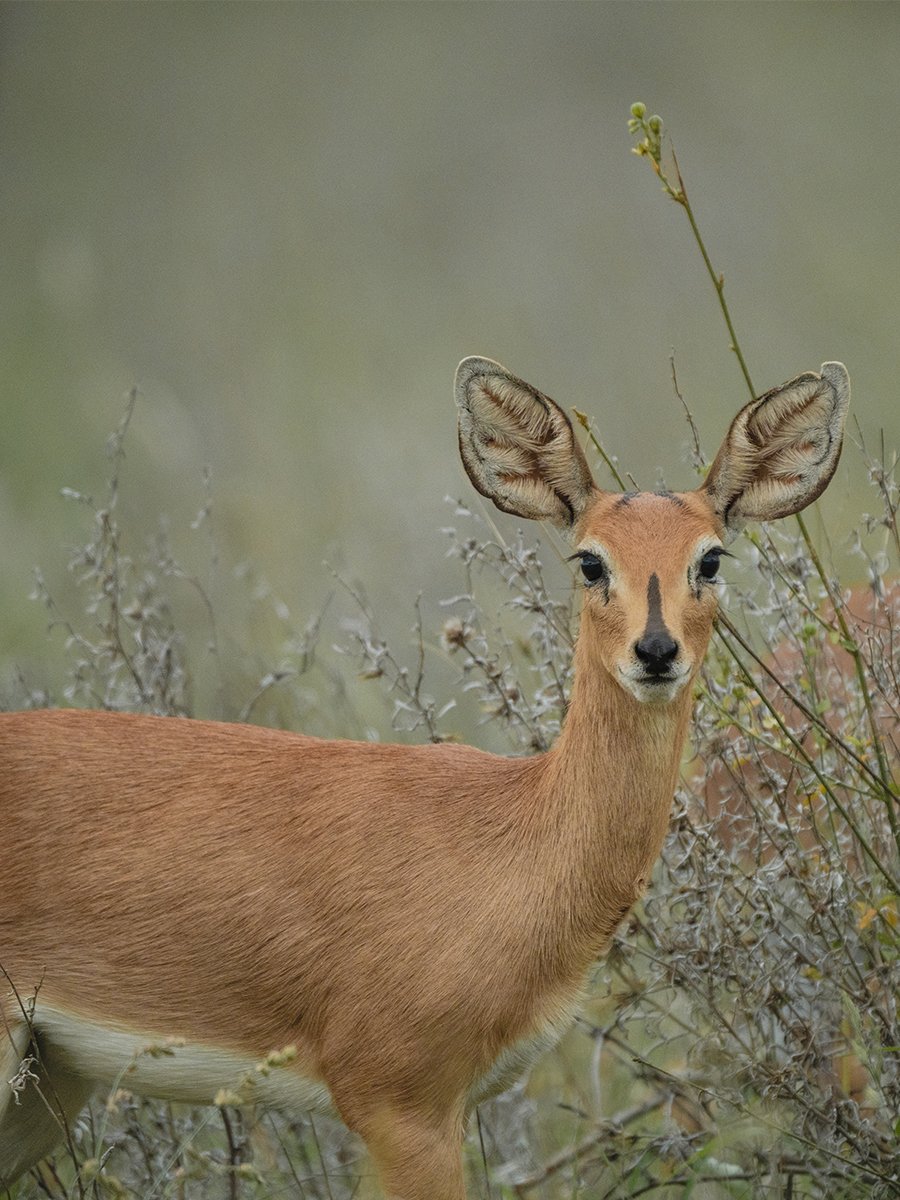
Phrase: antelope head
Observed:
(649, 560)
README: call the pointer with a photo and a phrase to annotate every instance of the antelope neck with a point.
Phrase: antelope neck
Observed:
(612, 776)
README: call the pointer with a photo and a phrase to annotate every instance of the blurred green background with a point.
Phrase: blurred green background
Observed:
(287, 223)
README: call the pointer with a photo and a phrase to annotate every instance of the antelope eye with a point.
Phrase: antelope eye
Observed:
(593, 568)
(709, 564)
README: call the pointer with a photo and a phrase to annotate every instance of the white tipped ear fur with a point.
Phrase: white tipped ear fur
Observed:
(518, 447)
(781, 450)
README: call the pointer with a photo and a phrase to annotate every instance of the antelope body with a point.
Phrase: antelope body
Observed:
(417, 922)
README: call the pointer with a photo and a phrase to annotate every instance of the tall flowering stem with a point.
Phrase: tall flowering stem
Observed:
(650, 132)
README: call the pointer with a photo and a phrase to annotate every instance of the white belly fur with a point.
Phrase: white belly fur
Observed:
(192, 1073)
(195, 1073)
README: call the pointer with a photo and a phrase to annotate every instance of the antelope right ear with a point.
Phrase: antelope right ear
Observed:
(781, 450)
(518, 447)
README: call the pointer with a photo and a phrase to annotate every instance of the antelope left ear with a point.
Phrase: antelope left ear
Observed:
(781, 450)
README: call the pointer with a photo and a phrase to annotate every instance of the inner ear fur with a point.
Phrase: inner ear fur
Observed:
(781, 450)
(518, 446)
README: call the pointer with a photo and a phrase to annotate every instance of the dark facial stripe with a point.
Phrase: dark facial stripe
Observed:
(626, 498)
(655, 622)
(663, 493)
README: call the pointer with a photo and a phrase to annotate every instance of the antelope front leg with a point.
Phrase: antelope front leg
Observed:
(416, 1157)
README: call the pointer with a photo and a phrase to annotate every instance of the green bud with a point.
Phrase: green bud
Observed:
(638, 109)
(655, 124)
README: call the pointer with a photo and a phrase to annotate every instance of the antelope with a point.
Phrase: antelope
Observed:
(416, 923)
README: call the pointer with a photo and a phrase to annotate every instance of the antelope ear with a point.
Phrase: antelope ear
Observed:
(781, 450)
(518, 447)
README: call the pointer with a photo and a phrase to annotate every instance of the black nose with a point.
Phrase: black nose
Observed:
(656, 651)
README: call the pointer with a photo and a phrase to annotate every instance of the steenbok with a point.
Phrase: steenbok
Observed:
(417, 922)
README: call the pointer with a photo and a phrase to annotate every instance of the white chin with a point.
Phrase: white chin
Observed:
(660, 691)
